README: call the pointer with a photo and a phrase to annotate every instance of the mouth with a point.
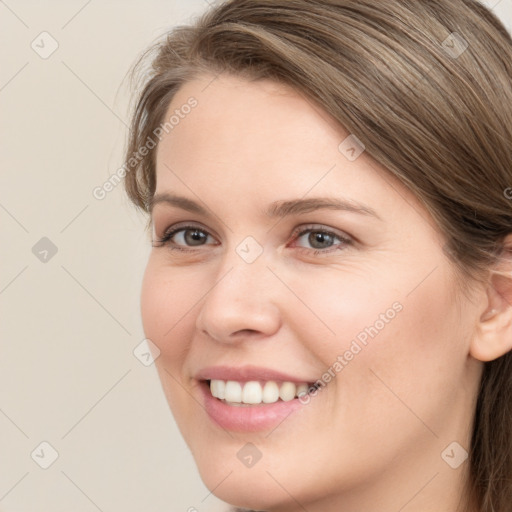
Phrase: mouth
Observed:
(250, 393)
(251, 406)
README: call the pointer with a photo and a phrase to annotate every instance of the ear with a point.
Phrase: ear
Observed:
(493, 336)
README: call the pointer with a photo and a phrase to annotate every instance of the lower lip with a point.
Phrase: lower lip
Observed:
(247, 419)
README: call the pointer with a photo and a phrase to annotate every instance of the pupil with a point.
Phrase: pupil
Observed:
(194, 236)
(315, 238)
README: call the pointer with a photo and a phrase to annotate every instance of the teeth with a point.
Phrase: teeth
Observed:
(302, 389)
(287, 391)
(218, 388)
(233, 391)
(270, 393)
(253, 392)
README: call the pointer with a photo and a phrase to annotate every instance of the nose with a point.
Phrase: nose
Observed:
(241, 302)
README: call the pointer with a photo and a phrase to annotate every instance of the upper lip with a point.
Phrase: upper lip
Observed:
(246, 373)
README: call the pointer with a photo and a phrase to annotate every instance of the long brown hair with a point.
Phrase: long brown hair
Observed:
(425, 85)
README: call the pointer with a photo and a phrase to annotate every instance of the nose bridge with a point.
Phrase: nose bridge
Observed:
(243, 267)
(242, 297)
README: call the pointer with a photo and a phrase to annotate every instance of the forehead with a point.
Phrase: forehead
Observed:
(264, 139)
(243, 126)
(249, 116)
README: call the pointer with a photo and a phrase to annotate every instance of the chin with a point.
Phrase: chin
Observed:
(249, 490)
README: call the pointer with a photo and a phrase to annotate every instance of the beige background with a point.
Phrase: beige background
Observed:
(70, 323)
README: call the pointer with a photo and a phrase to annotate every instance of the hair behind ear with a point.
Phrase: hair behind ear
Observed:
(491, 444)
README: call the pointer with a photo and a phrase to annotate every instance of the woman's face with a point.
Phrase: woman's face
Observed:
(301, 260)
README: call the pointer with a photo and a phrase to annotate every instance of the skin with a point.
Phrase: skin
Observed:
(372, 439)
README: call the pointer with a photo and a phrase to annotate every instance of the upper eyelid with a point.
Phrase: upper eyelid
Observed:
(186, 225)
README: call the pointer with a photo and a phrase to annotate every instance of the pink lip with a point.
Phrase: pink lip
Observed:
(246, 373)
(247, 419)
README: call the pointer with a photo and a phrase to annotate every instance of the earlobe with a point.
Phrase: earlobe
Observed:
(493, 336)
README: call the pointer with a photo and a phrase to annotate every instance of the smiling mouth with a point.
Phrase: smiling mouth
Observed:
(250, 393)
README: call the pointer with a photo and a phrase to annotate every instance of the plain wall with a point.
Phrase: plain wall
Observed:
(70, 320)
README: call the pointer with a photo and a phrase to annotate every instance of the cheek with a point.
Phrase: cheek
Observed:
(168, 297)
(386, 351)
(155, 304)
(406, 379)
(338, 311)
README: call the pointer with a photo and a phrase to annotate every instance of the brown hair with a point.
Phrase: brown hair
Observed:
(425, 85)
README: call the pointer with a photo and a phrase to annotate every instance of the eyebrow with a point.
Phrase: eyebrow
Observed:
(276, 209)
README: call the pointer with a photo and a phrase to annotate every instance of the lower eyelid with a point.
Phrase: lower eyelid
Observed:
(339, 246)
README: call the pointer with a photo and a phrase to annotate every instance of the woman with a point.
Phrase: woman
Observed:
(330, 284)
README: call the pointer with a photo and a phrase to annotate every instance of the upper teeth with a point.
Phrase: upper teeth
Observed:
(253, 392)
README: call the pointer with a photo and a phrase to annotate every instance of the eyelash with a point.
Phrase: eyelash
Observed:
(166, 239)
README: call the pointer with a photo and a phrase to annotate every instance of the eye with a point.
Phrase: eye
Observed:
(184, 236)
(321, 240)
